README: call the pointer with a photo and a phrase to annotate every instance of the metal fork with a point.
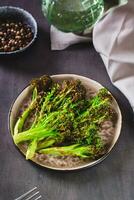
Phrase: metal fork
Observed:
(32, 194)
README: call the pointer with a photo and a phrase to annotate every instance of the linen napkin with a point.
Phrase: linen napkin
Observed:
(113, 38)
(60, 40)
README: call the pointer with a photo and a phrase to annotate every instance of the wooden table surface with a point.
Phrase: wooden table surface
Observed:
(113, 179)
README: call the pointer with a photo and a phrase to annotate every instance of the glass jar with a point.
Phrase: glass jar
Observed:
(73, 15)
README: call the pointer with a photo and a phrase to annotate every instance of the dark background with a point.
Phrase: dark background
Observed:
(113, 179)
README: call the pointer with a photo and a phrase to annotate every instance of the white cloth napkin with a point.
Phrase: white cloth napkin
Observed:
(60, 40)
(113, 38)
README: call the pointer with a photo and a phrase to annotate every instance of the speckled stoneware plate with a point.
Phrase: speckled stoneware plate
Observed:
(91, 85)
(16, 13)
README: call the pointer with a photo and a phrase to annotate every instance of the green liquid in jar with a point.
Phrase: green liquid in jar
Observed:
(73, 15)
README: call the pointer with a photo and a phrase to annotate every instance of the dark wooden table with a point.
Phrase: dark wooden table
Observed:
(113, 179)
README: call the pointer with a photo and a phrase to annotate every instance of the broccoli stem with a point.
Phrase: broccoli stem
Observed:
(72, 150)
(38, 134)
(31, 149)
(46, 143)
(20, 122)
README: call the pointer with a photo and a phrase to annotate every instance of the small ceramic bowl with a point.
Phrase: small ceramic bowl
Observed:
(15, 13)
(90, 85)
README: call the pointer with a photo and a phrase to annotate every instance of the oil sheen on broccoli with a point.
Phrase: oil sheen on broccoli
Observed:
(64, 121)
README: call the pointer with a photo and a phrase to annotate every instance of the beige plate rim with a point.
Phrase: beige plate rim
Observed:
(84, 81)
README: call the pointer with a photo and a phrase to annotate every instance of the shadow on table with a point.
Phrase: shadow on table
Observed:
(37, 58)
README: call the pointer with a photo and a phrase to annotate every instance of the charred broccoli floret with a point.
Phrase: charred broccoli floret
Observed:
(65, 121)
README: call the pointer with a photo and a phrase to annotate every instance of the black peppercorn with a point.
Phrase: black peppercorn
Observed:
(14, 36)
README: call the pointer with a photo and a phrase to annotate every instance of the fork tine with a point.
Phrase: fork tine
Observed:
(32, 195)
(38, 197)
(25, 194)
